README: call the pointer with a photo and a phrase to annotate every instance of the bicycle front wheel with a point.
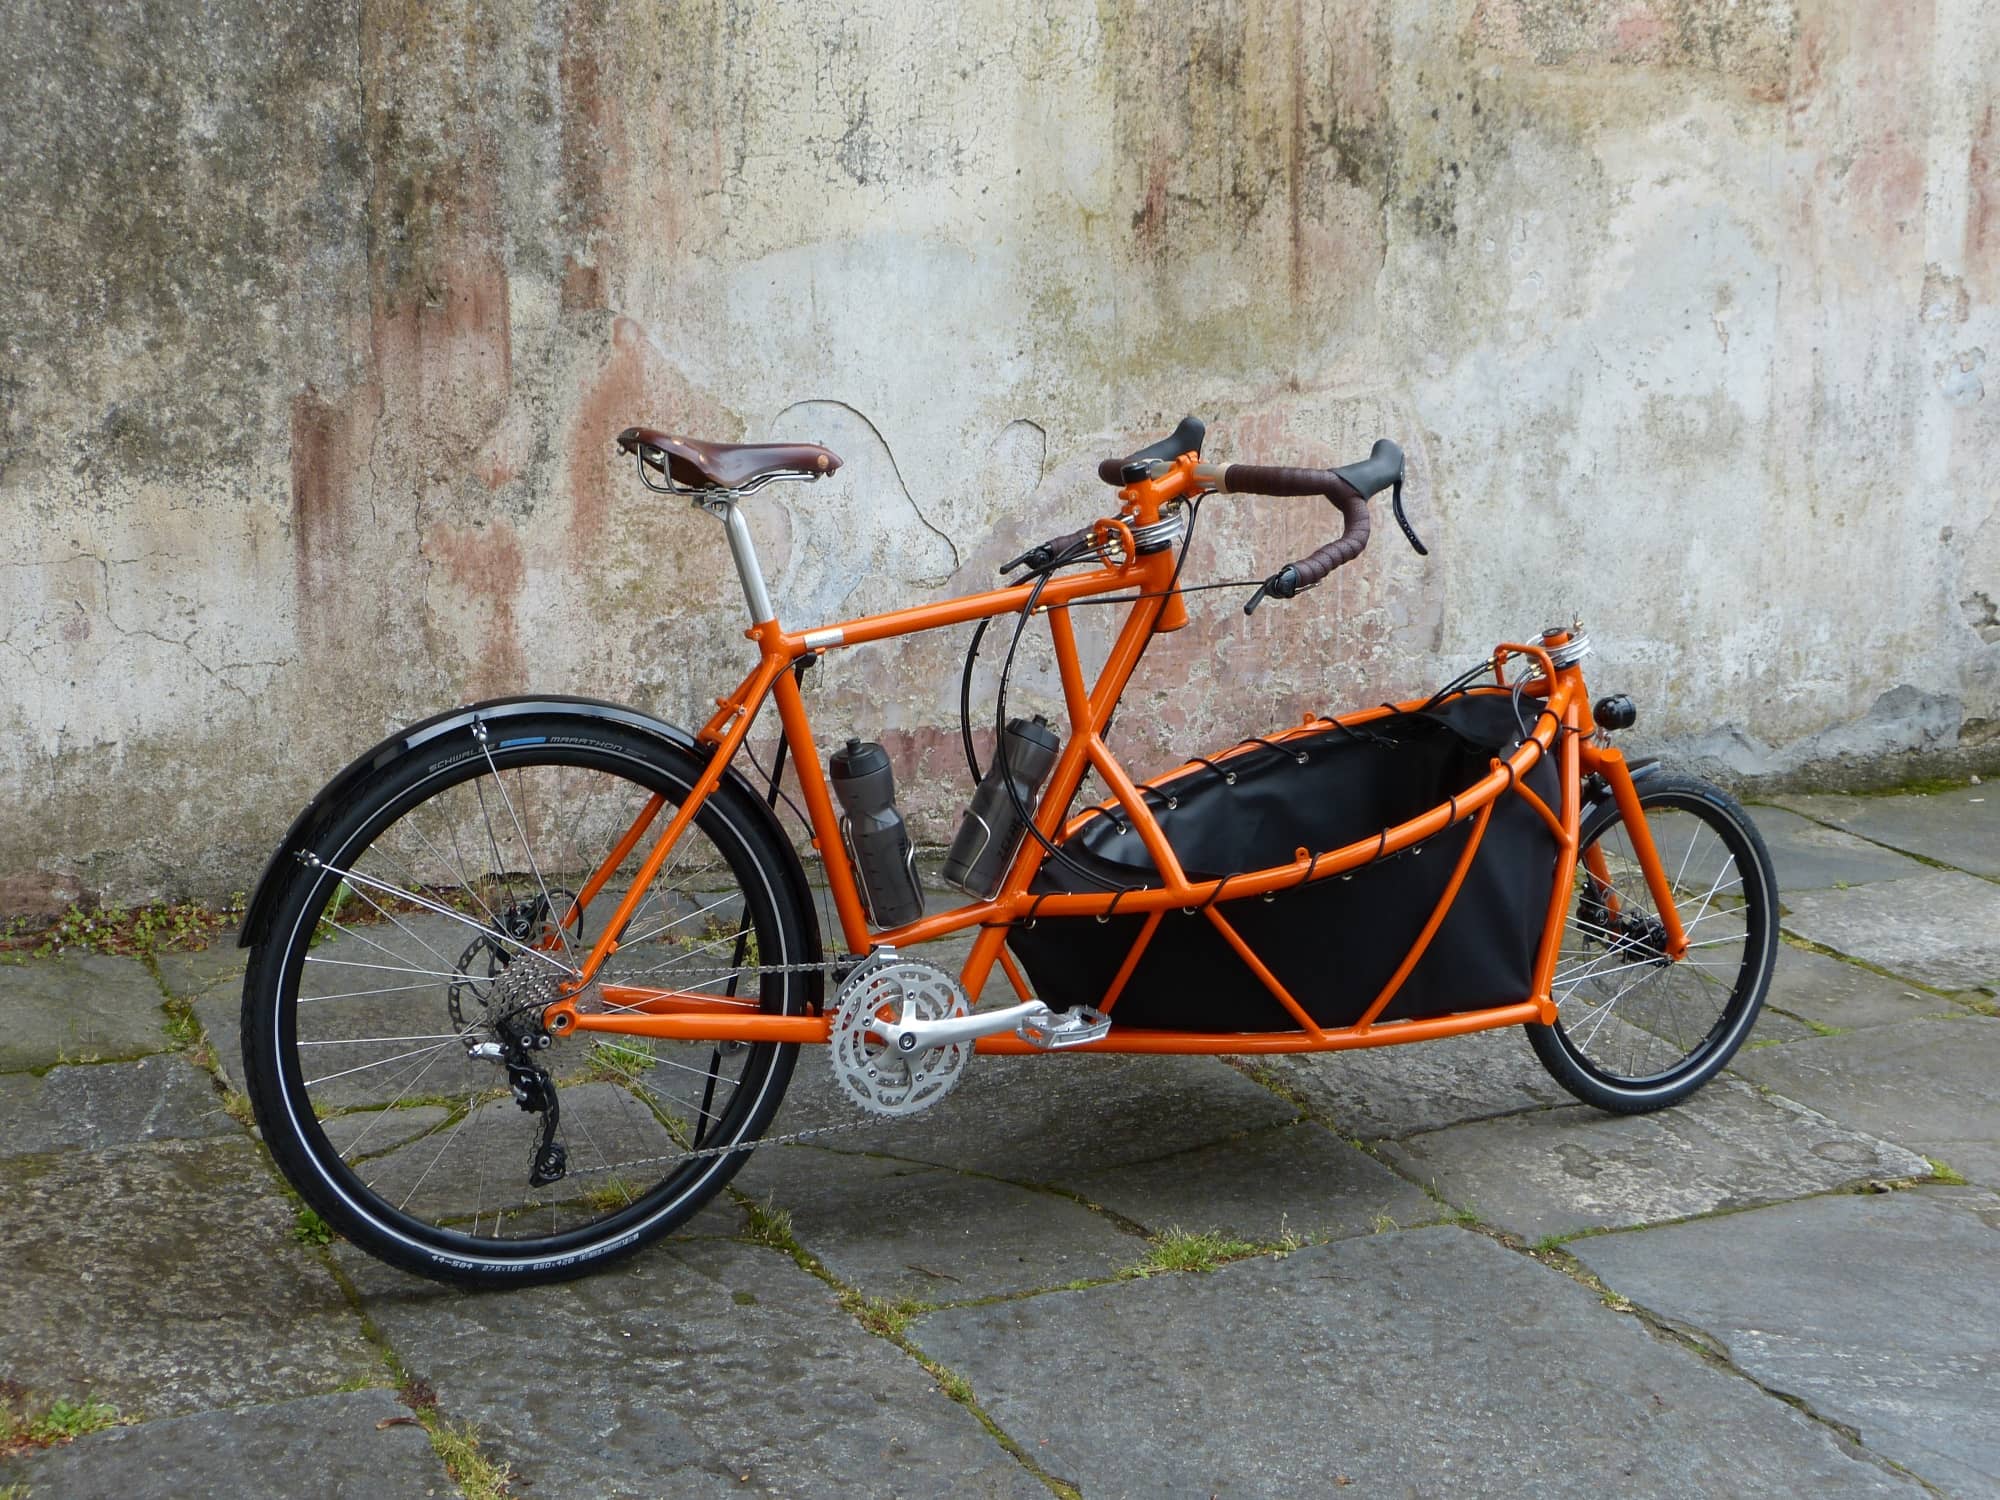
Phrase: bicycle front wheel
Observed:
(391, 1037)
(1636, 1030)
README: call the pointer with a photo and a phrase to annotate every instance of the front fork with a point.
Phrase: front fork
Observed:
(1610, 764)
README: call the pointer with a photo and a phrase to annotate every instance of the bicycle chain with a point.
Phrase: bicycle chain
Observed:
(705, 1152)
(829, 967)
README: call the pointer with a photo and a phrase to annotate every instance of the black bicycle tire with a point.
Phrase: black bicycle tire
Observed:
(309, 1161)
(1596, 1086)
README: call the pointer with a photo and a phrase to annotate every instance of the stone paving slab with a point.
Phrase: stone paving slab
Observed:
(221, 1016)
(1940, 928)
(700, 1368)
(1933, 1086)
(1878, 1310)
(897, 1230)
(486, 1154)
(320, 1448)
(1428, 1362)
(78, 1009)
(1960, 827)
(1049, 1118)
(1810, 856)
(378, 1132)
(1381, 1093)
(204, 971)
(164, 1279)
(92, 1108)
(1295, 1180)
(1576, 1168)
(1833, 993)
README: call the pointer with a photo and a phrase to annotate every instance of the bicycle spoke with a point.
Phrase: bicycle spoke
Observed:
(420, 941)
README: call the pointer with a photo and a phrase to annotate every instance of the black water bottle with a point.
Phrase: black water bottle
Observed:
(991, 829)
(878, 845)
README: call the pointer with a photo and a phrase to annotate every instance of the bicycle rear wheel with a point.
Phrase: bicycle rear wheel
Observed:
(391, 1037)
(1636, 1030)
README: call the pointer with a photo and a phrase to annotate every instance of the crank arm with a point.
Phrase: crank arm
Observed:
(905, 1037)
(1031, 1020)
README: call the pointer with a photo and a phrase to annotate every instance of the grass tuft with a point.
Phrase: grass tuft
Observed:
(881, 1317)
(1943, 1174)
(618, 1062)
(611, 1195)
(61, 1421)
(1177, 1250)
(770, 1225)
(457, 1444)
(133, 932)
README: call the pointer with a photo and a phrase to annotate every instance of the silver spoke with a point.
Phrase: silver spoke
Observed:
(433, 1004)
(352, 877)
(1612, 967)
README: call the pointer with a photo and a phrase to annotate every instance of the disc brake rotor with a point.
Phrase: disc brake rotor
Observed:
(879, 1080)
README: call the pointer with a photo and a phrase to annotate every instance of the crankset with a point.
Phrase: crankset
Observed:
(902, 1032)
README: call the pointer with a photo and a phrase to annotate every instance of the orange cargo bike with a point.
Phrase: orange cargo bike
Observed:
(529, 979)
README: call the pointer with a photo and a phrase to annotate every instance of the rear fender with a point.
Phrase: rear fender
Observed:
(330, 798)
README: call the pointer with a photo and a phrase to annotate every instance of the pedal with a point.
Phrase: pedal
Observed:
(1052, 1030)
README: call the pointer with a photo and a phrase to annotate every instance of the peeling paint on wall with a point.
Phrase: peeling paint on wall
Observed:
(318, 323)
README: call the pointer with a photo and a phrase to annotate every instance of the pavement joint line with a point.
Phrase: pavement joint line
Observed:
(1922, 859)
(1868, 1188)
(775, 1232)
(1256, 1073)
(1807, 945)
(89, 1060)
(407, 1383)
(1688, 1337)
(1054, 1190)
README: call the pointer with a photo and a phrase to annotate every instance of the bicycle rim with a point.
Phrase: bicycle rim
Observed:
(450, 911)
(1630, 1017)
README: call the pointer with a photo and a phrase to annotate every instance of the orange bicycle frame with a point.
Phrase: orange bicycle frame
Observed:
(1563, 731)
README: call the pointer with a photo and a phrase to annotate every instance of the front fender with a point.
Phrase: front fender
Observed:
(329, 798)
(1597, 791)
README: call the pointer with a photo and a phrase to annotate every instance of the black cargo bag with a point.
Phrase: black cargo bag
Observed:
(1333, 943)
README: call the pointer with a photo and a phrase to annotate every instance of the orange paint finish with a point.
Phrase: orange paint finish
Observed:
(1132, 957)
(1266, 1043)
(1560, 730)
(1423, 941)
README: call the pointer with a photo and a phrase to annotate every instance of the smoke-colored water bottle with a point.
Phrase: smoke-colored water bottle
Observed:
(877, 842)
(991, 829)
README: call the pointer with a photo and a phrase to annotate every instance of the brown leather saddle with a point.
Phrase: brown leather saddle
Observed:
(727, 466)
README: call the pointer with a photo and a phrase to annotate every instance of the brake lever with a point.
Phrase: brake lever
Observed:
(1036, 557)
(1283, 584)
(1396, 504)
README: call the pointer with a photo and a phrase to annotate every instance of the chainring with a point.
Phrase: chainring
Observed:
(878, 1080)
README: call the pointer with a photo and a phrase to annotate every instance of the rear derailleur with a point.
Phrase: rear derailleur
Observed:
(521, 1037)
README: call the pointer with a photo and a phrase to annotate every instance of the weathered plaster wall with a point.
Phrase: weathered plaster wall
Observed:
(319, 319)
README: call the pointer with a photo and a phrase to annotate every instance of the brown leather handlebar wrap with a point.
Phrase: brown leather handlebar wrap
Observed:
(1255, 479)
